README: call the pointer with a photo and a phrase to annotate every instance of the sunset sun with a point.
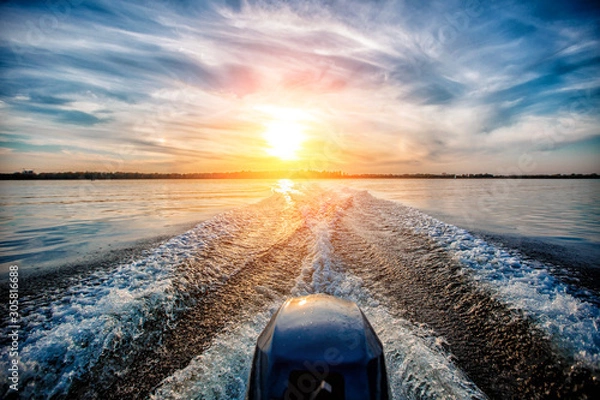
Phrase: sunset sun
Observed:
(284, 131)
(284, 138)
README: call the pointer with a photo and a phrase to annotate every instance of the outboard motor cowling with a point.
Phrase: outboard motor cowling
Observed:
(318, 347)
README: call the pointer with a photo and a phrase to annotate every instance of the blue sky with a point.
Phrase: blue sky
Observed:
(376, 86)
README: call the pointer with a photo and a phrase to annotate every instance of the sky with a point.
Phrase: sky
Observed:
(469, 86)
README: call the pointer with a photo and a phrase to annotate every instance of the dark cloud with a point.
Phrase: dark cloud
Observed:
(77, 117)
(26, 147)
(49, 100)
(560, 10)
(512, 29)
(235, 5)
(434, 94)
(74, 117)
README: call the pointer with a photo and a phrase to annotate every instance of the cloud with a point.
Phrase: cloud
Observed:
(77, 118)
(408, 86)
(49, 100)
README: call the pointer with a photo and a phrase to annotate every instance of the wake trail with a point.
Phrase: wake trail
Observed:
(499, 347)
(417, 364)
(246, 270)
(182, 322)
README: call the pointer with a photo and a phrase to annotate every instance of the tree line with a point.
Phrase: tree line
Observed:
(281, 174)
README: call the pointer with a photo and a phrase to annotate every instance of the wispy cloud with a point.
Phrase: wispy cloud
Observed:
(391, 86)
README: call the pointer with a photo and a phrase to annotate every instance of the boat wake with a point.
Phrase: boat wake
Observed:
(458, 317)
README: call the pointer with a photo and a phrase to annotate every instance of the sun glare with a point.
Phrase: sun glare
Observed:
(284, 138)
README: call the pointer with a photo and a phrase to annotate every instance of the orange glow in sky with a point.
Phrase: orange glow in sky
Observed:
(353, 86)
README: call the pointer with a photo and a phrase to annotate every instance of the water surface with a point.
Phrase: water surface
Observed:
(459, 317)
(52, 223)
(561, 209)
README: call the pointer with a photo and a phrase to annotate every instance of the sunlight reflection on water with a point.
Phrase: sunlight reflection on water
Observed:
(285, 187)
(52, 223)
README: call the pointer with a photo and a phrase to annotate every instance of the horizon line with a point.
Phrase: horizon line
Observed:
(271, 174)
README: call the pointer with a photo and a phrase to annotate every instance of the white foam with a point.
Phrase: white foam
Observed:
(418, 366)
(572, 323)
(66, 337)
(222, 371)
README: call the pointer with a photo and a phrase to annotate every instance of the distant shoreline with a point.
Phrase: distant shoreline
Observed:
(302, 174)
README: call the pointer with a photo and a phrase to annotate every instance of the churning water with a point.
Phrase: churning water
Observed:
(459, 316)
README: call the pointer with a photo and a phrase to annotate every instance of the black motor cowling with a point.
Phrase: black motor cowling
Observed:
(318, 347)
